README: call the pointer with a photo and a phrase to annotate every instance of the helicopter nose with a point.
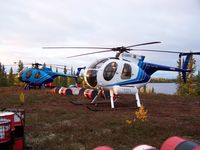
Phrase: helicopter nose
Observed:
(91, 78)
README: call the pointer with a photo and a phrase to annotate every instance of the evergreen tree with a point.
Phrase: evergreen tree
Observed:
(65, 70)
(64, 79)
(57, 79)
(71, 81)
(3, 76)
(20, 66)
(180, 89)
(197, 84)
(11, 77)
(179, 78)
(190, 76)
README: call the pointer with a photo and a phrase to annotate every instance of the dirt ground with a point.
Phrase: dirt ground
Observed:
(53, 122)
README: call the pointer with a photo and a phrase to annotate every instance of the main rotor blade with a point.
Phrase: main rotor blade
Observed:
(143, 44)
(193, 53)
(89, 53)
(63, 47)
(157, 51)
(107, 49)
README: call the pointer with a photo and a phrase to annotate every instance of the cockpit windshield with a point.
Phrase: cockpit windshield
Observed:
(21, 72)
(91, 74)
(98, 63)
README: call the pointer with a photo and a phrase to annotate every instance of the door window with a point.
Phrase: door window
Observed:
(126, 72)
(110, 71)
(28, 74)
(37, 75)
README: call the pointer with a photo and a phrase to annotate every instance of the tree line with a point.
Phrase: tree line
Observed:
(6, 80)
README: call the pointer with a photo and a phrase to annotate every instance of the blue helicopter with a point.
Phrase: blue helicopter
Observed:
(36, 76)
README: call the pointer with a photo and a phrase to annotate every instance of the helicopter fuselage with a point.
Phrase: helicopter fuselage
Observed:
(111, 72)
(116, 72)
(35, 77)
(129, 70)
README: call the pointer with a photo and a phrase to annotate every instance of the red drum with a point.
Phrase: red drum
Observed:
(56, 90)
(81, 91)
(90, 93)
(19, 144)
(19, 123)
(64, 91)
(177, 143)
(5, 134)
(5, 130)
(61, 90)
(103, 148)
(19, 116)
(74, 91)
(9, 116)
(68, 91)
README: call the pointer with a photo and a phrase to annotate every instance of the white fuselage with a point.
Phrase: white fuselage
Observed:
(110, 72)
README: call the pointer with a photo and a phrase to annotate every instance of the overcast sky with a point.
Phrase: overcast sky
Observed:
(28, 25)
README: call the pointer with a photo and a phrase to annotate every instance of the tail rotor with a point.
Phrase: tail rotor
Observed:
(186, 62)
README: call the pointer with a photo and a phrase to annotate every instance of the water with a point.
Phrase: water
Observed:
(165, 88)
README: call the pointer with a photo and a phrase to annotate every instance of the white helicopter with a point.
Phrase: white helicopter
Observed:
(126, 72)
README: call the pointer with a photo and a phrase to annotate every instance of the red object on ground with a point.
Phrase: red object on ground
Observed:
(5, 134)
(197, 148)
(19, 116)
(56, 90)
(90, 93)
(50, 85)
(19, 123)
(5, 130)
(19, 144)
(9, 116)
(62, 90)
(177, 143)
(103, 148)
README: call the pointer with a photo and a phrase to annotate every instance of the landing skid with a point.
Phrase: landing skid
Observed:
(28, 87)
(79, 102)
(103, 105)
(106, 107)
(111, 104)
(114, 97)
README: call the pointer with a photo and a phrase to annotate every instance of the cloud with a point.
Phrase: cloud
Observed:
(26, 26)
